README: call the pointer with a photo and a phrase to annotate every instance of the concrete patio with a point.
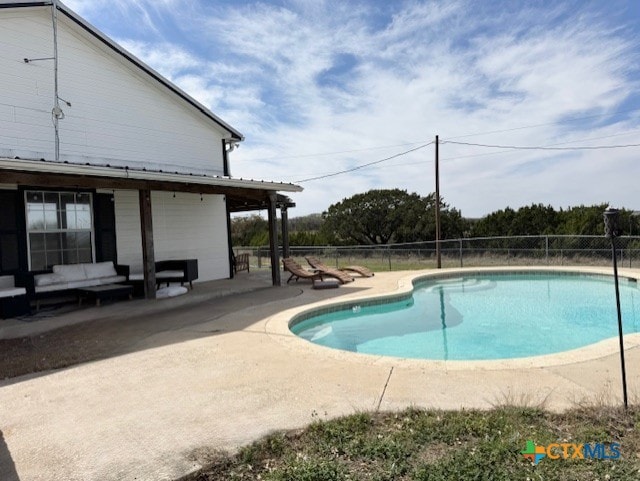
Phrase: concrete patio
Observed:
(223, 371)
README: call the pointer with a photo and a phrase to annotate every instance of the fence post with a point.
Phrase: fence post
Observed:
(546, 249)
(259, 258)
(461, 252)
(336, 251)
(389, 255)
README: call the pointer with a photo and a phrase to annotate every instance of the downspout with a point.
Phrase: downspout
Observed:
(225, 159)
(228, 146)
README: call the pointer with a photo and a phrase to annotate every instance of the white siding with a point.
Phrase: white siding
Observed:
(118, 115)
(183, 228)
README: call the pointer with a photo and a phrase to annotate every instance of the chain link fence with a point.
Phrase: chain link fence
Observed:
(472, 252)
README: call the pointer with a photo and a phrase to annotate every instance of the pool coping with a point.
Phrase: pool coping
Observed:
(278, 326)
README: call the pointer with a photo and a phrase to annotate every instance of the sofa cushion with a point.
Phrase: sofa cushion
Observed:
(112, 280)
(12, 292)
(48, 279)
(71, 272)
(99, 269)
(83, 283)
(51, 288)
(169, 274)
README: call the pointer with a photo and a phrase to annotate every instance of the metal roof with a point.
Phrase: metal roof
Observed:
(125, 173)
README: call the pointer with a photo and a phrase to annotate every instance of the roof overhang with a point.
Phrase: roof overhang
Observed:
(45, 173)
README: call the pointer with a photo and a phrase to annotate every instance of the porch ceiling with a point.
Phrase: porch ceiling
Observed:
(239, 204)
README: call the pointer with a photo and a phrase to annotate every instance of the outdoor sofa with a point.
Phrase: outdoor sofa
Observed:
(174, 270)
(13, 299)
(63, 280)
(177, 270)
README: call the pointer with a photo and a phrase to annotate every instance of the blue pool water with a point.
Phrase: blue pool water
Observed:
(482, 317)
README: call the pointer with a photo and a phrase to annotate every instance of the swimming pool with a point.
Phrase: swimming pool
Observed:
(480, 317)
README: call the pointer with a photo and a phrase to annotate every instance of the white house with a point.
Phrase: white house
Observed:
(101, 158)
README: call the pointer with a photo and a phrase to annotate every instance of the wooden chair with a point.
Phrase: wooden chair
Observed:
(318, 264)
(342, 276)
(298, 272)
(240, 263)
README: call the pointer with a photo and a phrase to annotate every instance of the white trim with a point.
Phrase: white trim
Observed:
(50, 167)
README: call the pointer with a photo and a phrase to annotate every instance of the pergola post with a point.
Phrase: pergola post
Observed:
(273, 239)
(285, 231)
(148, 255)
(229, 241)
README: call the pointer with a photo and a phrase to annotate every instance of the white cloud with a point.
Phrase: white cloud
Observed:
(304, 78)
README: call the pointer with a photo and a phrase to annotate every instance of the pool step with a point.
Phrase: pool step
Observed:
(463, 285)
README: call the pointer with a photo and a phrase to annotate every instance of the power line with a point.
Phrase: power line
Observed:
(512, 129)
(364, 165)
(507, 149)
(516, 147)
(323, 154)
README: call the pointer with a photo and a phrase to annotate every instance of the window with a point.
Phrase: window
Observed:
(59, 228)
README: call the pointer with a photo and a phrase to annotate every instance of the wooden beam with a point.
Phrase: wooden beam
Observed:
(273, 240)
(285, 231)
(229, 241)
(148, 254)
(33, 179)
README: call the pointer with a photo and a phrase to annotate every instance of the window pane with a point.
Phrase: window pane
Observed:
(51, 219)
(83, 211)
(83, 198)
(51, 201)
(69, 240)
(53, 258)
(35, 216)
(67, 199)
(38, 261)
(84, 255)
(70, 257)
(83, 240)
(36, 242)
(52, 242)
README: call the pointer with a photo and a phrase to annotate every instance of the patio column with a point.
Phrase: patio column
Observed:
(273, 240)
(229, 241)
(285, 231)
(148, 254)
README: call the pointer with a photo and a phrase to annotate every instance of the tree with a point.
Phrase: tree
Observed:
(249, 231)
(584, 220)
(389, 216)
(535, 219)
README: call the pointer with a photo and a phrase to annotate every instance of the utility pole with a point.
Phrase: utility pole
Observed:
(438, 257)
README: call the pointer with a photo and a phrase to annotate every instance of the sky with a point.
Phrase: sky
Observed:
(319, 87)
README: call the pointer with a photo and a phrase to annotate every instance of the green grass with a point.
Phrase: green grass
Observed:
(431, 445)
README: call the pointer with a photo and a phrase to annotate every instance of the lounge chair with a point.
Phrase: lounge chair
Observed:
(363, 271)
(318, 264)
(342, 276)
(298, 272)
